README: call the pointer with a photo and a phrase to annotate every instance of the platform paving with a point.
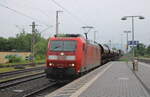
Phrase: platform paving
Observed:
(143, 74)
(115, 79)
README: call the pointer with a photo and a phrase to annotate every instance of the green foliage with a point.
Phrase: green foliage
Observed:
(3, 44)
(22, 43)
(7, 44)
(13, 58)
(140, 50)
(41, 46)
(148, 50)
(114, 49)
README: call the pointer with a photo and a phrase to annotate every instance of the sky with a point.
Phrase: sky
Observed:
(104, 15)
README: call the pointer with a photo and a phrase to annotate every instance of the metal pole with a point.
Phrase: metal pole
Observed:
(133, 38)
(57, 21)
(121, 42)
(127, 44)
(133, 52)
(88, 29)
(33, 42)
(110, 44)
(127, 32)
(94, 36)
(127, 49)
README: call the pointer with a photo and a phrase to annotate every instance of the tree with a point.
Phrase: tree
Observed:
(41, 47)
(3, 43)
(140, 49)
(114, 48)
(23, 42)
(11, 44)
(148, 50)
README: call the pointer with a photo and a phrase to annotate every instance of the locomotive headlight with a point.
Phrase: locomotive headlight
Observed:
(70, 57)
(50, 64)
(52, 57)
(72, 65)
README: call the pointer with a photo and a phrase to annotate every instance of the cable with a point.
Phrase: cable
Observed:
(78, 19)
(46, 29)
(33, 7)
(22, 14)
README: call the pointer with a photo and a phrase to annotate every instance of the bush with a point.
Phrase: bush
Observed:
(40, 57)
(13, 58)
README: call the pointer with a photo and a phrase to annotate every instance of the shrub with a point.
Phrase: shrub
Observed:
(13, 58)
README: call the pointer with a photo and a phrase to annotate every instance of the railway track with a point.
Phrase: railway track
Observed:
(20, 71)
(13, 82)
(28, 64)
(27, 86)
(144, 60)
(36, 90)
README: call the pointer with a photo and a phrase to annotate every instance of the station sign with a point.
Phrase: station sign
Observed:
(133, 42)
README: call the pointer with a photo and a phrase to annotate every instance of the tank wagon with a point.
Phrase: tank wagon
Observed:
(71, 55)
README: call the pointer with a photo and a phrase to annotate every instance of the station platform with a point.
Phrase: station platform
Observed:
(114, 79)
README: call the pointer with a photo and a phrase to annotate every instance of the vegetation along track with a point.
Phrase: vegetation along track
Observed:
(27, 64)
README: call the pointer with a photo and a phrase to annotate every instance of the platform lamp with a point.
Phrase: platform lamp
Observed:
(127, 32)
(132, 17)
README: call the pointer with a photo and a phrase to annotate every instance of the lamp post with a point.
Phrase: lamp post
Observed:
(121, 45)
(95, 36)
(127, 32)
(132, 17)
(110, 44)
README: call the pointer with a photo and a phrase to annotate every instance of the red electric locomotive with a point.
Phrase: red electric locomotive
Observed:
(70, 55)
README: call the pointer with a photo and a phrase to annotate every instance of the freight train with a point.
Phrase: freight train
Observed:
(71, 55)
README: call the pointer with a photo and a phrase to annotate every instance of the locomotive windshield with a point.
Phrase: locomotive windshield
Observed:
(63, 45)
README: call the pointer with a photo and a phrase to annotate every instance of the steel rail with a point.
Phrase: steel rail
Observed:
(36, 90)
(20, 71)
(16, 81)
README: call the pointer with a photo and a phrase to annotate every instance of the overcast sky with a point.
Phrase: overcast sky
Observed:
(104, 15)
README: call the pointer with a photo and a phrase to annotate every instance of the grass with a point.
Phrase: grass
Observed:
(23, 62)
(129, 57)
(143, 57)
(125, 58)
(7, 69)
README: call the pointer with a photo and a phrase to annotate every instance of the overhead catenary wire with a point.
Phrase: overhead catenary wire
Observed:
(22, 14)
(34, 8)
(70, 13)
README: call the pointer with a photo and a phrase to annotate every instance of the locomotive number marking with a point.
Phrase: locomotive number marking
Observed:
(61, 57)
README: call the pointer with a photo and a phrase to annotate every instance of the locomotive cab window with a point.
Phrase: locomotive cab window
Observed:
(63, 45)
